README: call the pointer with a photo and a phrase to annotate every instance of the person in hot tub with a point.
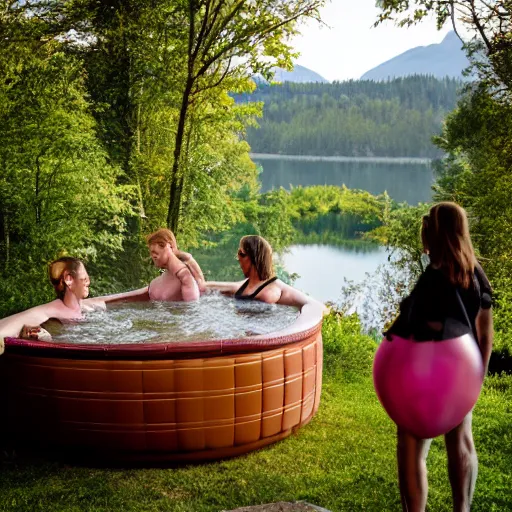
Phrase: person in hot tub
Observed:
(181, 279)
(71, 283)
(255, 259)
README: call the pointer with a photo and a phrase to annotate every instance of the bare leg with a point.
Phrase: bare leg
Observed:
(412, 470)
(462, 464)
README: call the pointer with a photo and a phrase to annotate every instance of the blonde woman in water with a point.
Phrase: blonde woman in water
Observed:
(71, 283)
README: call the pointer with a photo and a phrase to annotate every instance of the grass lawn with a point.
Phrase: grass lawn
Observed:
(344, 460)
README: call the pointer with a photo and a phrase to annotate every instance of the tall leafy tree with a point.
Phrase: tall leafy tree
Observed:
(58, 192)
(228, 39)
(162, 60)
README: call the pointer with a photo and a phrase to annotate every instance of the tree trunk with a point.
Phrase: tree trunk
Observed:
(173, 211)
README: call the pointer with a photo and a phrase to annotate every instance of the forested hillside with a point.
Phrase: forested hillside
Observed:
(354, 118)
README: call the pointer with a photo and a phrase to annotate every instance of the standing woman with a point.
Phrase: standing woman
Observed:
(451, 298)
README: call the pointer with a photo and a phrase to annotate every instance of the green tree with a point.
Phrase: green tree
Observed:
(227, 40)
(477, 174)
(157, 69)
(58, 193)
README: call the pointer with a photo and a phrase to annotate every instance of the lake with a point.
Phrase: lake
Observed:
(322, 269)
(405, 179)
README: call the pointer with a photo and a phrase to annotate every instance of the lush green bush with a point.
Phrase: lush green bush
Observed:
(347, 352)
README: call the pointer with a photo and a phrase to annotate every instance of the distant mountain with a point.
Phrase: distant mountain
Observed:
(444, 59)
(300, 74)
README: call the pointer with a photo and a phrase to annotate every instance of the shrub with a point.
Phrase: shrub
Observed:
(347, 352)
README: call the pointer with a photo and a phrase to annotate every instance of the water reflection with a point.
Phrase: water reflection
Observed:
(322, 269)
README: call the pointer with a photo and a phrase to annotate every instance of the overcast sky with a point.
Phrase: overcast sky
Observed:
(351, 46)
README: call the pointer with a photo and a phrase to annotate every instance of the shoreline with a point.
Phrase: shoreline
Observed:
(317, 158)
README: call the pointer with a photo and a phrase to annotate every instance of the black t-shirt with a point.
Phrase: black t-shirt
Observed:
(435, 299)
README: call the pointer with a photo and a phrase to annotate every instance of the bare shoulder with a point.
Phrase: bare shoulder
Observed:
(93, 304)
(270, 294)
(42, 313)
(291, 296)
(183, 272)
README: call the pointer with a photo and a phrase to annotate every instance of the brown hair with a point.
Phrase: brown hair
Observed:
(260, 253)
(162, 235)
(57, 269)
(445, 234)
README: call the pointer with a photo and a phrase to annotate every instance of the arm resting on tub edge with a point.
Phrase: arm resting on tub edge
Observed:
(224, 287)
(11, 326)
(141, 294)
(290, 296)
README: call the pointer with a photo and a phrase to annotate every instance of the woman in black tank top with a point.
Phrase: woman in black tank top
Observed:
(239, 293)
(255, 259)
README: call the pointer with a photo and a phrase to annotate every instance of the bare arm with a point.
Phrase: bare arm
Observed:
(12, 326)
(194, 267)
(485, 333)
(228, 288)
(135, 295)
(189, 287)
(290, 296)
(311, 310)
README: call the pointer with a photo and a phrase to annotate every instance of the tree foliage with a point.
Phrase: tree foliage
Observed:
(58, 192)
(227, 40)
(478, 174)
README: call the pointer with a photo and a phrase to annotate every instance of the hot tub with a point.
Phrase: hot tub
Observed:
(171, 402)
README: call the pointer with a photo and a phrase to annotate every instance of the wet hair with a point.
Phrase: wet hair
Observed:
(57, 269)
(162, 235)
(259, 252)
(445, 234)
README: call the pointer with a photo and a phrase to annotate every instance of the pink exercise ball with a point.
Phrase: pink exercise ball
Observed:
(428, 387)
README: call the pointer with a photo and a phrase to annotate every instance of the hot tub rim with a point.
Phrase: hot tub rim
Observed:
(308, 323)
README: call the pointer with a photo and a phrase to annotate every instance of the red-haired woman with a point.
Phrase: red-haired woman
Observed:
(181, 279)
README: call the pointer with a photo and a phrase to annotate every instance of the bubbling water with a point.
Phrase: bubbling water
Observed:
(212, 317)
